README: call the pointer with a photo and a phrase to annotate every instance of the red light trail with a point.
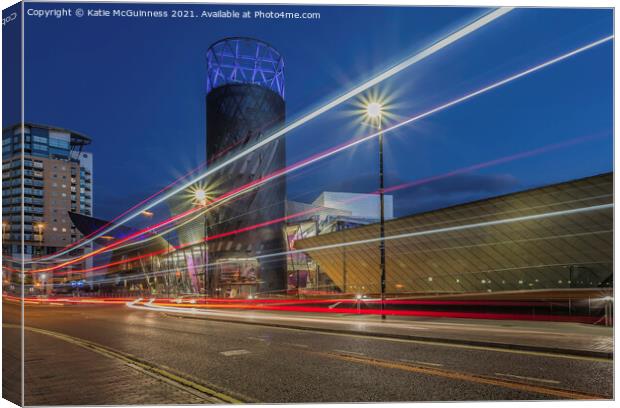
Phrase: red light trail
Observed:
(463, 170)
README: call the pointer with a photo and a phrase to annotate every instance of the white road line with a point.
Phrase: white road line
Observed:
(234, 353)
(257, 338)
(430, 364)
(421, 362)
(334, 305)
(542, 380)
(349, 352)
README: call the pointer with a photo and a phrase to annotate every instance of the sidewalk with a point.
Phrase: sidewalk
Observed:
(93, 379)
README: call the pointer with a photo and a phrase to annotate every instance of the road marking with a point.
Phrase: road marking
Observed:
(234, 353)
(350, 352)
(474, 378)
(455, 345)
(257, 338)
(421, 362)
(334, 305)
(182, 382)
(528, 378)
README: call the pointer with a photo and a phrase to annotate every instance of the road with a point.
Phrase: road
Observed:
(255, 363)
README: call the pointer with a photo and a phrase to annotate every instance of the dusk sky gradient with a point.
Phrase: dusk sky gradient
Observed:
(137, 87)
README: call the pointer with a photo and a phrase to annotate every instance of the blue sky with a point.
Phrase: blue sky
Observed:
(137, 87)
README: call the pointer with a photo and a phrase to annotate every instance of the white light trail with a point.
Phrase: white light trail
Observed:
(448, 229)
(484, 224)
(415, 118)
(474, 94)
(256, 316)
(450, 39)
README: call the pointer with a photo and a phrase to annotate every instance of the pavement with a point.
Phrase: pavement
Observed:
(552, 337)
(58, 372)
(66, 374)
(262, 363)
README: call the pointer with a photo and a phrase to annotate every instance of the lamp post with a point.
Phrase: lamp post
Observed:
(200, 198)
(374, 111)
(39, 227)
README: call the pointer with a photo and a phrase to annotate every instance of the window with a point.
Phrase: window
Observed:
(62, 144)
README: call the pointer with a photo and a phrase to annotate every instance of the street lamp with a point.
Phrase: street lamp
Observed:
(200, 198)
(374, 112)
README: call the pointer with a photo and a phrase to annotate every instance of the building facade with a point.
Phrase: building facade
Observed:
(358, 205)
(555, 237)
(330, 212)
(57, 179)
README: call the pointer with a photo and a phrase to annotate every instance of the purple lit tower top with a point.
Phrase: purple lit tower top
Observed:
(241, 60)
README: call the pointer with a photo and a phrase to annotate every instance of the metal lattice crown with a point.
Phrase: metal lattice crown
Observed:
(245, 61)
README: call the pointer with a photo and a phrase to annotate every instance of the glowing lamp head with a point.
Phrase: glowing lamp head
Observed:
(374, 110)
(200, 196)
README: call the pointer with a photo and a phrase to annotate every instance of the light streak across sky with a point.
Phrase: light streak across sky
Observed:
(398, 187)
(354, 142)
(434, 48)
(524, 218)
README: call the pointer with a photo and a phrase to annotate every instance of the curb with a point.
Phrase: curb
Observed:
(474, 343)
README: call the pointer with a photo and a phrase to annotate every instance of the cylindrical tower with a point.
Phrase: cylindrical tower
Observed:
(245, 102)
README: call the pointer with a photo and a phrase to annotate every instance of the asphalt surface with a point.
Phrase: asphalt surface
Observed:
(255, 363)
(573, 338)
